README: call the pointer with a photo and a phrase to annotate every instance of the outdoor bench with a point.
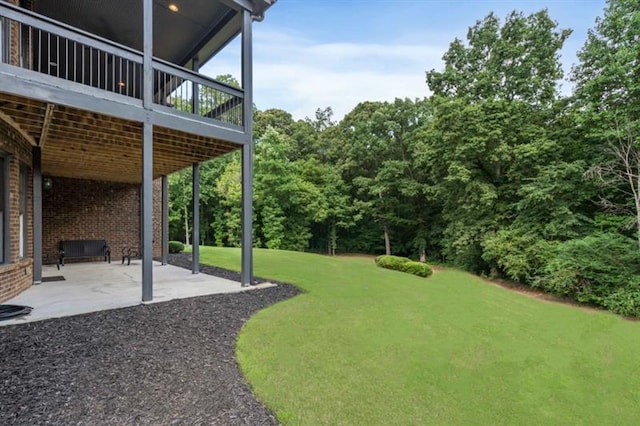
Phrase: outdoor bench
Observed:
(78, 249)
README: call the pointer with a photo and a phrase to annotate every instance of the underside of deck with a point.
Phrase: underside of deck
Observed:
(89, 145)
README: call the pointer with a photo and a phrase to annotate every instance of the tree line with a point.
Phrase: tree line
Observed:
(495, 172)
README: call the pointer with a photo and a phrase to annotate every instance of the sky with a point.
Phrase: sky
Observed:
(337, 53)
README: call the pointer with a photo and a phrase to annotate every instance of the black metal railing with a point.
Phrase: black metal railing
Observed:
(39, 44)
(194, 93)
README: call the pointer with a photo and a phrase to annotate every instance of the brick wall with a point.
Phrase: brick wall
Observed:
(16, 274)
(15, 278)
(15, 45)
(72, 209)
(14, 55)
(76, 209)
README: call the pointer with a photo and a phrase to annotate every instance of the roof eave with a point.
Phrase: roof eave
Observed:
(224, 32)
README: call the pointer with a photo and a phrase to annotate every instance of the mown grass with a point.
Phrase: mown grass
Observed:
(370, 346)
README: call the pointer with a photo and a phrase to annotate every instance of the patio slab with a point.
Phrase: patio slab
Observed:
(97, 286)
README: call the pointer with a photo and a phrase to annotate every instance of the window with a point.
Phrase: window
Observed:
(23, 212)
(4, 41)
(3, 210)
(2, 47)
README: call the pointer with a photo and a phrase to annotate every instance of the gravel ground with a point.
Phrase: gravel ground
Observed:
(165, 363)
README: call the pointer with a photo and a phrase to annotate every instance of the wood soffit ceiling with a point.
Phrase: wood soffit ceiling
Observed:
(85, 145)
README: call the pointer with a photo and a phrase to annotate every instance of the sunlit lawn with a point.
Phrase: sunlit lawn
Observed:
(368, 346)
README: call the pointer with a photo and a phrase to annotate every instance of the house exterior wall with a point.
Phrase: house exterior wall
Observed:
(75, 209)
(16, 274)
(15, 32)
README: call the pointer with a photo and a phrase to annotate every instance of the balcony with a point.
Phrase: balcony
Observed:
(77, 88)
(41, 49)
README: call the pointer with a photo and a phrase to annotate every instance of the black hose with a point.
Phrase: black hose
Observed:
(12, 311)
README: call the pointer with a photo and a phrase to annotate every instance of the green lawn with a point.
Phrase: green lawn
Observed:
(367, 346)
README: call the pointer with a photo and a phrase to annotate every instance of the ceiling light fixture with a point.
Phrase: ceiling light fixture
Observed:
(173, 7)
(47, 183)
(121, 83)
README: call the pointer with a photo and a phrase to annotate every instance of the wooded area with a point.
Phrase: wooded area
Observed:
(495, 172)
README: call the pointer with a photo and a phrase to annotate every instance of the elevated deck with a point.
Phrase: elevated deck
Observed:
(79, 96)
(108, 90)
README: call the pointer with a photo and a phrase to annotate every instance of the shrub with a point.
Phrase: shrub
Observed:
(404, 264)
(392, 262)
(518, 255)
(175, 247)
(417, 268)
(624, 302)
(603, 269)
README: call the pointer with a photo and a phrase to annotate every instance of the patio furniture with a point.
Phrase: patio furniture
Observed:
(80, 249)
(129, 252)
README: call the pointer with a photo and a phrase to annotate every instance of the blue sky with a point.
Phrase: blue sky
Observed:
(315, 54)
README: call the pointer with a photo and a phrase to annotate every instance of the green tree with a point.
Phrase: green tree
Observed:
(518, 60)
(366, 147)
(286, 203)
(228, 187)
(619, 178)
(340, 212)
(608, 96)
(180, 202)
(380, 148)
(608, 75)
(495, 138)
(275, 118)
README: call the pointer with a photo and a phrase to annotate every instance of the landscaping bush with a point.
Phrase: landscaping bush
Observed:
(417, 268)
(624, 302)
(392, 262)
(404, 264)
(517, 255)
(603, 269)
(175, 247)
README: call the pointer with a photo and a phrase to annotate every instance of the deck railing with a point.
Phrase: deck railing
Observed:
(190, 92)
(36, 43)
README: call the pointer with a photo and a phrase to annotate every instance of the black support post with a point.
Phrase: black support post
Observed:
(246, 274)
(147, 153)
(37, 214)
(165, 220)
(195, 231)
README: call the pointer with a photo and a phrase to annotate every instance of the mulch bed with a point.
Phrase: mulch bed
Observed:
(165, 363)
(184, 260)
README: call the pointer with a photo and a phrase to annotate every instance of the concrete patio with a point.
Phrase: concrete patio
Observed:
(97, 286)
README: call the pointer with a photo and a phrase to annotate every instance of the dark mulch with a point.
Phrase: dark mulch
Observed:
(166, 363)
(184, 260)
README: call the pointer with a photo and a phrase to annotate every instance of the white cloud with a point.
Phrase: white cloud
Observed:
(378, 57)
(301, 75)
